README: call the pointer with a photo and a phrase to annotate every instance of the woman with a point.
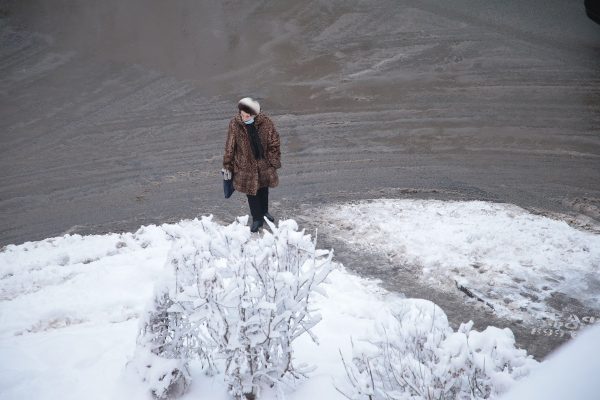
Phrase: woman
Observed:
(252, 156)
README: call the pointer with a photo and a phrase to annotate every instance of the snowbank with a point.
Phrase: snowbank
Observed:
(571, 372)
(69, 310)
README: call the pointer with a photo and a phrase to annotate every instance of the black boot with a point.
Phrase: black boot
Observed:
(269, 217)
(256, 224)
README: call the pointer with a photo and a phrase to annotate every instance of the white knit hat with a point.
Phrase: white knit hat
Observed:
(249, 103)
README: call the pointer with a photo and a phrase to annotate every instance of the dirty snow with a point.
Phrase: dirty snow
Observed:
(512, 260)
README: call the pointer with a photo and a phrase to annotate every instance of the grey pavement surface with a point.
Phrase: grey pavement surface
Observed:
(114, 114)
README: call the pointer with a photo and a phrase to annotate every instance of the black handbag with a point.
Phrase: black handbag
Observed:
(228, 187)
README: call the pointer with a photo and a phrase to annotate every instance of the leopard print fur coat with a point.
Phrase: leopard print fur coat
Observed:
(250, 174)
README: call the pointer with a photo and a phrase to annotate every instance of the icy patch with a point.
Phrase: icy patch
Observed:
(510, 259)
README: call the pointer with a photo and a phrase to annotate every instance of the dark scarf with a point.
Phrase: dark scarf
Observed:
(255, 143)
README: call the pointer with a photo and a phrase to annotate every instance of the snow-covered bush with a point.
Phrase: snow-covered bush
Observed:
(418, 356)
(233, 302)
(161, 348)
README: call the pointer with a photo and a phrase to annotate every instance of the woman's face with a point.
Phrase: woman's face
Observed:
(245, 115)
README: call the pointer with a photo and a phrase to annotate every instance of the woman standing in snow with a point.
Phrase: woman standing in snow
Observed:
(252, 156)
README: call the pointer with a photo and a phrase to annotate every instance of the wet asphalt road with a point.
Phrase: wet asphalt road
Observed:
(114, 115)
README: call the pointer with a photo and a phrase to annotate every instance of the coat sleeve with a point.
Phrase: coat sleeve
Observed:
(274, 151)
(229, 148)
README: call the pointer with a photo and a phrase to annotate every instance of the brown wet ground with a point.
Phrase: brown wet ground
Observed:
(113, 114)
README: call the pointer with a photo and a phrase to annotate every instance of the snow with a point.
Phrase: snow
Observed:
(68, 311)
(509, 258)
(569, 373)
(70, 306)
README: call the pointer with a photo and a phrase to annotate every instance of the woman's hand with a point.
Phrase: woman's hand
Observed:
(227, 175)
